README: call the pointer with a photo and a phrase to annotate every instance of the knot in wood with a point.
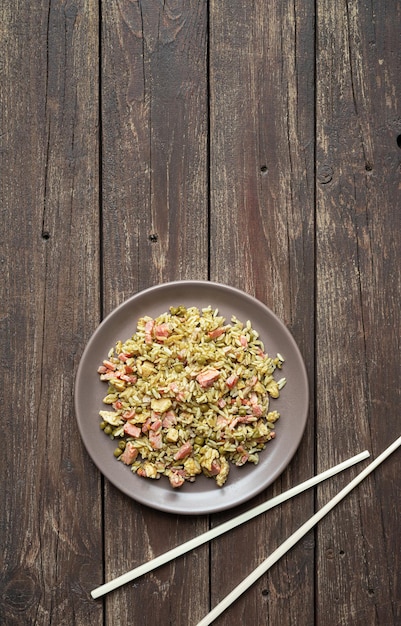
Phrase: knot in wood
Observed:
(71, 12)
(20, 593)
(325, 174)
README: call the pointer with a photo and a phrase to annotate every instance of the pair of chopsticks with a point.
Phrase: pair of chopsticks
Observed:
(240, 519)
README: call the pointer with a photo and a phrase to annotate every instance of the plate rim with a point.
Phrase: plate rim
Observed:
(127, 303)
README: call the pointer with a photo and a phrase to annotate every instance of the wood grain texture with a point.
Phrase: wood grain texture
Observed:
(262, 241)
(253, 143)
(358, 314)
(51, 553)
(155, 229)
(154, 120)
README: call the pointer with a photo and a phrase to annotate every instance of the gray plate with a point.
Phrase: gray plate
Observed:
(203, 496)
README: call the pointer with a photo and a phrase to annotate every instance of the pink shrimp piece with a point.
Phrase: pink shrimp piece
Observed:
(156, 424)
(179, 395)
(148, 331)
(176, 479)
(246, 419)
(215, 468)
(221, 421)
(183, 452)
(161, 331)
(245, 456)
(169, 419)
(242, 460)
(221, 403)
(242, 419)
(155, 438)
(257, 410)
(217, 332)
(109, 365)
(231, 381)
(207, 378)
(243, 341)
(131, 430)
(234, 422)
(128, 415)
(109, 375)
(146, 425)
(129, 455)
(129, 379)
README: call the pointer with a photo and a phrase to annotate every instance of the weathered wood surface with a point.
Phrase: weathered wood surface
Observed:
(155, 229)
(358, 248)
(262, 241)
(256, 144)
(51, 501)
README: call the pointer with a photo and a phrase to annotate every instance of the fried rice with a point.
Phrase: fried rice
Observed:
(189, 394)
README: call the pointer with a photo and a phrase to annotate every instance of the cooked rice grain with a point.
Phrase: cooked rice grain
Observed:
(190, 395)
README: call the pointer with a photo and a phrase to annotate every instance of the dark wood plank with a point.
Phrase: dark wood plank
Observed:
(155, 226)
(65, 265)
(358, 314)
(154, 112)
(262, 241)
(51, 547)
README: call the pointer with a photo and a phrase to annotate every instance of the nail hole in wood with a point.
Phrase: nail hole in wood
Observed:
(399, 141)
(263, 169)
(45, 234)
(153, 238)
(265, 592)
(368, 167)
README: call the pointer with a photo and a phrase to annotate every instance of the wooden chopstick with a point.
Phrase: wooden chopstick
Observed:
(295, 537)
(223, 528)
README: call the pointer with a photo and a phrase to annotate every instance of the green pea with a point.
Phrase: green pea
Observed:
(138, 410)
(204, 408)
(121, 445)
(242, 411)
(117, 452)
(199, 441)
(178, 367)
(108, 430)
(103, 425)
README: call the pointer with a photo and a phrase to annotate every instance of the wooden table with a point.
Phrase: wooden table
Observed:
(257, 144)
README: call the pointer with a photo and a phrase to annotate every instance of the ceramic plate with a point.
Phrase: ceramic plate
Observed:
(203, 496)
